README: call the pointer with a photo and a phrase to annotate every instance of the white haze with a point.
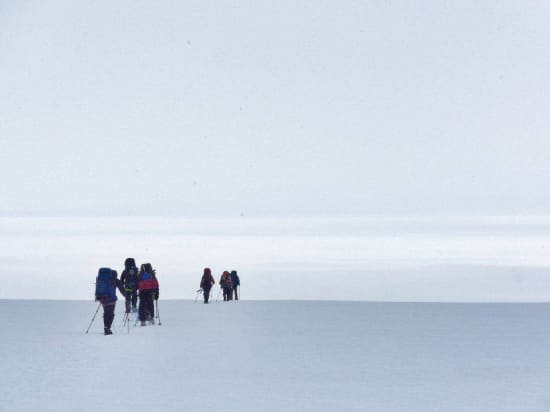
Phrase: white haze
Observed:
(196, 108)
(422, 259)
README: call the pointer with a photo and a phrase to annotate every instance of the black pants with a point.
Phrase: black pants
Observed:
(131, 299)
(108, 313)
(146, 308)
(226, 293)
(206, 295)
(235, 295)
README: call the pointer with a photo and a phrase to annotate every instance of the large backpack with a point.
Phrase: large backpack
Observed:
(225, 281)
(235, 281)
(147, 279)
(131, 279)
(105, 284)
(206, 281)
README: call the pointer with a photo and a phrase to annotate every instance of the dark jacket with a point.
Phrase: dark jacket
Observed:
(207, 280)
(235, 281)
(129, 277)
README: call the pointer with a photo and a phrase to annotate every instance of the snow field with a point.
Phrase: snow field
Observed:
(278, 356)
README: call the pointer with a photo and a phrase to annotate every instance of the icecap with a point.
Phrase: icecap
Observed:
(253, 356)
(384, 259)
(268, 355)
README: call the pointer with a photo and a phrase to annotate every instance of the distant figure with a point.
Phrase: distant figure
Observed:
(235, 282)
(105, 292)
(226, 285)
(148, 287)
(207, 282)
(129, 279)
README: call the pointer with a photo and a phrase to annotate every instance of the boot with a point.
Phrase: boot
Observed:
(107, 331)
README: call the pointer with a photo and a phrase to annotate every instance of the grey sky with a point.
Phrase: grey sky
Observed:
(274, 108)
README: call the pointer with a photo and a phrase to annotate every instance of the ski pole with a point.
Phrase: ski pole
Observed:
(198, 293)
(97, 310)
(158, 313)
(218, 295)
(126, 321)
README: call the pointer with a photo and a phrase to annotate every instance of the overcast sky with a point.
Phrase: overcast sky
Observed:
(274, 108)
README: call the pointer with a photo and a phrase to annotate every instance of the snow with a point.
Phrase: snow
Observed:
(490, 259)
(278, 356)
(309, 334)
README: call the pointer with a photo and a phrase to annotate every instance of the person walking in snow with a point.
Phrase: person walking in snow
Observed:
(225, 284)
(105, 293)
(129, 279)
(207, 281)
(235, 282)
(148, 287)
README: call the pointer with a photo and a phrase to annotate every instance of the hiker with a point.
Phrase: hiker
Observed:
(129, 279)
(225, 284)
(235, 282)
(207, 282)
(148, 287)
(105, 293)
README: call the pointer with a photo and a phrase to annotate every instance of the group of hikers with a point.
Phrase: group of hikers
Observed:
(130, 283)
(143, 284)
(229, 284)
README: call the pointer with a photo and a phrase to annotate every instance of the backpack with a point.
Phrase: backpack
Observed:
(147, 281)
(105, 285)
(225, 281)
(206, 281)
(235, 279)
(131, 280)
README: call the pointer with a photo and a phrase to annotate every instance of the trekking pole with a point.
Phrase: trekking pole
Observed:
(198, 293)
(126, 318)
(218, 295)
(126, 321)
(97, 310)
(158, 314)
